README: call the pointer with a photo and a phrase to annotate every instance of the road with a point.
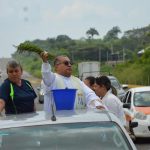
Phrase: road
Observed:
(141, 144)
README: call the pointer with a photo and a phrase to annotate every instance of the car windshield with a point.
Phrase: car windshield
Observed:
(115, 83)
(75, 136)
(142, 99)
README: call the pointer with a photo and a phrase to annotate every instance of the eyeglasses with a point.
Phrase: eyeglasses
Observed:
(66, 63)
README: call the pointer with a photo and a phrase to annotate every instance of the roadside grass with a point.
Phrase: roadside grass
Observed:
(133, 86)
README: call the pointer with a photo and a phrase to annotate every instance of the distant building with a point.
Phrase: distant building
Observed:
(140, 53)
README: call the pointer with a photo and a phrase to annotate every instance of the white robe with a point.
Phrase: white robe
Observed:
(114, 105)
(49, 78)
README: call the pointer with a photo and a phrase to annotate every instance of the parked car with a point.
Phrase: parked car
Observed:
(40, 90)
(0, 73)
(137, 109)
(116, 84)
(1, 77)
(92, 130)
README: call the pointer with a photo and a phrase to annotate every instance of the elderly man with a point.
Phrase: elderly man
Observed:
(62, 78)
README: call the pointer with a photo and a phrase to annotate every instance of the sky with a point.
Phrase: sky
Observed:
(22, 20)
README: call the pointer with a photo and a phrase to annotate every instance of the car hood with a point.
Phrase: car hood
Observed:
(120, 91)
(145, 110)
(40, 118)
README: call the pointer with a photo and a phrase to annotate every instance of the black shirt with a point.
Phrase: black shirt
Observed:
(24, 96)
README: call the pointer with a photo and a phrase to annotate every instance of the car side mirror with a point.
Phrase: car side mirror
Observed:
(127, 105)
(133, 124)
(125, 86)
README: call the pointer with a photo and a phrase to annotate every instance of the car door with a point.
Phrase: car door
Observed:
(128, 111)
(125, 98)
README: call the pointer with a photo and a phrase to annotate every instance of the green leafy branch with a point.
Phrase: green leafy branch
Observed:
(29, 47)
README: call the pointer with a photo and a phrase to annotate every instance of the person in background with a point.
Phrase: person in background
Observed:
(90, 82)
(113, 104)
(16, 94)
(63, 78)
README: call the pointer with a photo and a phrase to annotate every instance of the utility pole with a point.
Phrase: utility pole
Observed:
(123, 55)
(112, 52)
(72, 56)
(99, 55)
(107, 57)
(118, 56)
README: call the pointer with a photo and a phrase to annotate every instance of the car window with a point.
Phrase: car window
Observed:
(125, 98)
(76, 136)
(129, 97)
(115, 83)
(142, 99)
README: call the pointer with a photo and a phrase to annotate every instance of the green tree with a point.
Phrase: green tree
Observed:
(62, 38)
(112, 34)
(91, 32)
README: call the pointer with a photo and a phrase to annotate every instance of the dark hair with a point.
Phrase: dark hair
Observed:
(13, 64)
(104, 80)
(114, 91)
(91, 80)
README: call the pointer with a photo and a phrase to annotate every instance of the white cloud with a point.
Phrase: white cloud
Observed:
(79, 10)
(75, 10)
(5, 11)
(48, 18)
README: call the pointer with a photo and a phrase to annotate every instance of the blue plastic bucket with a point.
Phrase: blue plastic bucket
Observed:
(64, 98)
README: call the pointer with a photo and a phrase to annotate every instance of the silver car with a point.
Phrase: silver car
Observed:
(40, 90)
(115, 83)
(92, 130)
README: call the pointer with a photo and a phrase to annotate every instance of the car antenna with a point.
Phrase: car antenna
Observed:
(53, 117)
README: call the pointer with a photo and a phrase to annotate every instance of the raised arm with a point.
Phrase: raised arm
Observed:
(47, 75)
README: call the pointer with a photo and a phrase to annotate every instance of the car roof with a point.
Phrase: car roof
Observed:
(41, 118)
(140, 89)
(111, 77)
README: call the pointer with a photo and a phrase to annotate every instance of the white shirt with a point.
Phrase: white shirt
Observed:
(114, 105)
(92, 100)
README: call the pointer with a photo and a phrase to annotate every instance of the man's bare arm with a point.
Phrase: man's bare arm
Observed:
(2, 105)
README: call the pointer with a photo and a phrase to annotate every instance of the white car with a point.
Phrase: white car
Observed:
(137, 109)
(92, 130)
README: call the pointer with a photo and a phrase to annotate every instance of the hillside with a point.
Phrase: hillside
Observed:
(110, 48)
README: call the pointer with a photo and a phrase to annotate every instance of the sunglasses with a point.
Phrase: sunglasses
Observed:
(66, 63)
